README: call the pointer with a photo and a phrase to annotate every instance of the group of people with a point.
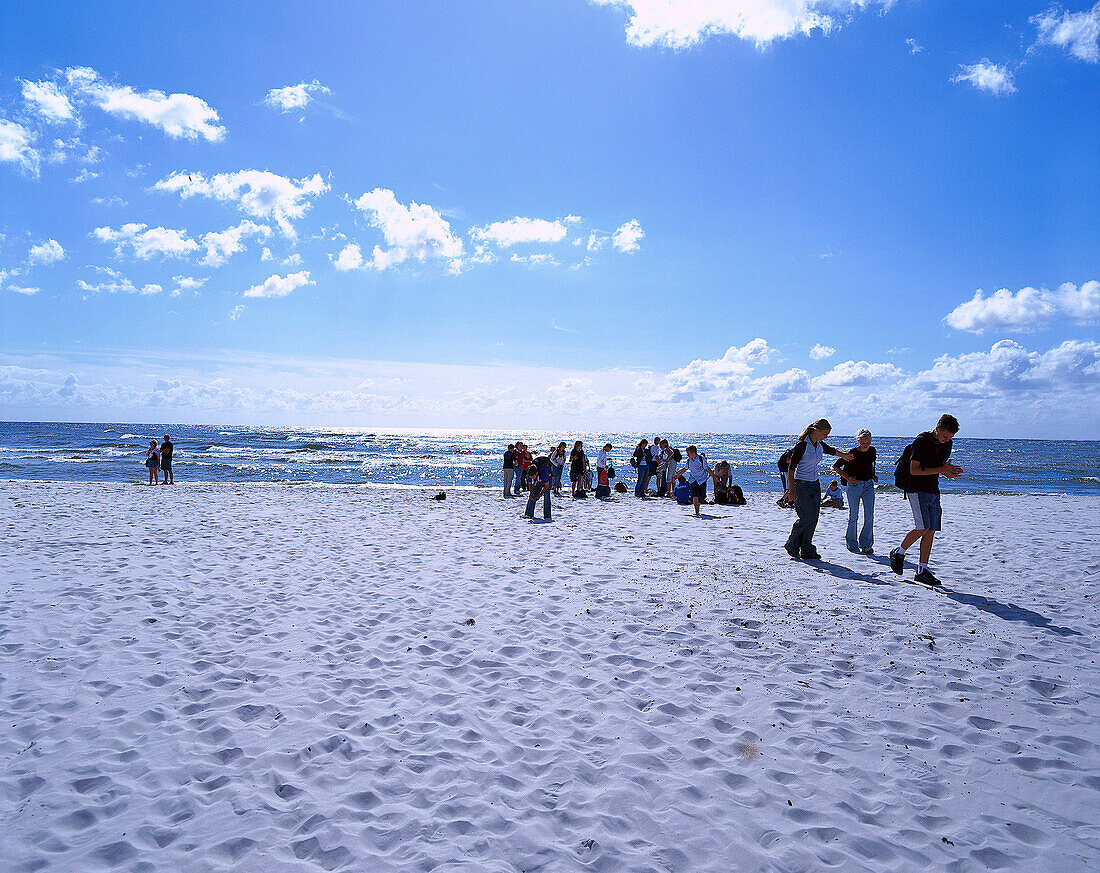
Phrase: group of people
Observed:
(685, 476)
(159, 460)
(917, 473)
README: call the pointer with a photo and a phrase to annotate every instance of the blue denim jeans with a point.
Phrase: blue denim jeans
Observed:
(557, 478)
(643, 480)
(530, 510)
(861, 491)
(807, 507)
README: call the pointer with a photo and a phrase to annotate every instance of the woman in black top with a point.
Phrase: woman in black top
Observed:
(859, 474)
(577, 464)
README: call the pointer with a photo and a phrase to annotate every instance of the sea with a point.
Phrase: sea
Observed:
(115, 452)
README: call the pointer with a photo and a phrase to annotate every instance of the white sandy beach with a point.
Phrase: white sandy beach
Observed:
(325, 678)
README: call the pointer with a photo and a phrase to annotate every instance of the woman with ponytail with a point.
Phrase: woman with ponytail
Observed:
(804, 487)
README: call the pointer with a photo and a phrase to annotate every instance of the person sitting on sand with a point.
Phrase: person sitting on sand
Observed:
(697, 471)
(152, 462)
(166, 450)
(833, 498)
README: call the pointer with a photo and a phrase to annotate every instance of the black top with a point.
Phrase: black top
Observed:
(166, 450)
(576, 464)
(509, 460)
(929, 452)
(862, 465)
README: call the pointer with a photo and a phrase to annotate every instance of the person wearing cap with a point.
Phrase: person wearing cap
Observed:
(859, 475)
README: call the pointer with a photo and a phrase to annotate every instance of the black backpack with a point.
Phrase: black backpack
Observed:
(902, 476)
(784, 462)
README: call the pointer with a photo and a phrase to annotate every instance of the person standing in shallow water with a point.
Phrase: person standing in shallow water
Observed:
(166, 450)
(804, 487)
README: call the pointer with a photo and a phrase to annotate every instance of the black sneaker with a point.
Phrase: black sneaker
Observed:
(897, 561)
(925, 577)
(790, 550)
(811, 556)
(867, 551)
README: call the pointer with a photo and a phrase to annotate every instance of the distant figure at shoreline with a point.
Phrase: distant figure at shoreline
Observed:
(509, 469)
(152, 462)
(166, 451)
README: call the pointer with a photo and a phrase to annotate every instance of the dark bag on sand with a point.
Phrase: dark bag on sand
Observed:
(902, 476)
(620, 488)
(580, 494)
(603, 491)
(722, 495)
(784, 462)
(738, 496)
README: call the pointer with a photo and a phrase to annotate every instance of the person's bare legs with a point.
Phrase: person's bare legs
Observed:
(925, 537)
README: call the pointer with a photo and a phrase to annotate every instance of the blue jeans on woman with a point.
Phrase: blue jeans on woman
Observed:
(643, 480)
(864, 491)
(529, 512)
(557, 479)
(807, 507)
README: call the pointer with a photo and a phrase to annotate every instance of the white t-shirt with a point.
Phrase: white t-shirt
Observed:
(601, 460)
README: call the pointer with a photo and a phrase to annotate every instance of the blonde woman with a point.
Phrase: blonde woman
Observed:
(804, 487)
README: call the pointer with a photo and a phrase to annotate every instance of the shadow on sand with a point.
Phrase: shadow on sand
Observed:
(1005, 611)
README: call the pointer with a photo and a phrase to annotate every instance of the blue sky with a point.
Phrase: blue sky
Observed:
(731, 216)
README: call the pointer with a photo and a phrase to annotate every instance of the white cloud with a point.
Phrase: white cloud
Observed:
(1076, 32)
(221, 246)
(9, 274)
(1009, 369)
(150, 290)
(417, 231)
(721, 373)
(294, 259)
(350, 258)
(110, 282)
(851, 374)
(595, 242)
(236, 312)
(181, 116)
(22, 289)
(266, 255)
(625, 239)
(187, 283)
(914, 49)
(294, 97)
(47, 100)
(49, 252)
(1027, 308)
(257, 193)
(820, 352)
(145, 242)
(684, 23)
(535, 260)
(987, 76)
(279, 286)
(517, 231)
(85, 175)
(17, 146)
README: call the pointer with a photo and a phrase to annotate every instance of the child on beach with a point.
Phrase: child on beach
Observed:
(603, 472)
(152, 462)
(833, 497)
(698, 471)
(928, 461)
